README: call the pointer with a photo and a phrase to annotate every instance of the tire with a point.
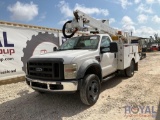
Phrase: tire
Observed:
(129, 72)
(90, 89)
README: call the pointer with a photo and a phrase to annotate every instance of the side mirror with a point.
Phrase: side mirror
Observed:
(113, 47)
(55, 49)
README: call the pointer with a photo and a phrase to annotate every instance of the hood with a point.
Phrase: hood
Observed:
(67, 55)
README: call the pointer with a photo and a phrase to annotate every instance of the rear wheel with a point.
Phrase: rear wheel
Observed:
(90, 90)
(129, 72)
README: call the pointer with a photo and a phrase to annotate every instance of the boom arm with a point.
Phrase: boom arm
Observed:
(98, 25)
(81, 20)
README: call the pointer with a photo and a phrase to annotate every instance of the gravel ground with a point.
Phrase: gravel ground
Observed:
(19, 102)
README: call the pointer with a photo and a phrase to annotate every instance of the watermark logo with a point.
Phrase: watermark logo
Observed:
(140, 111)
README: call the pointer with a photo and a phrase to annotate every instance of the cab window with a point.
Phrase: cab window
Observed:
(105, 42)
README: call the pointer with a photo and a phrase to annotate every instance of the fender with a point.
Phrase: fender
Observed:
(84, 66)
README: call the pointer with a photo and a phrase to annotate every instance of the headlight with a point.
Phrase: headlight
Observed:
(70, 71)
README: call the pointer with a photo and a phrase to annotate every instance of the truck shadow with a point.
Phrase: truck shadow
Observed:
(113, 82)
(36, 106)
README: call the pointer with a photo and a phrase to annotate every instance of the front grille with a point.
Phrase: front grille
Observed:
(45, 69)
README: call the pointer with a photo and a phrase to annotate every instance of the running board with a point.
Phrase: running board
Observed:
(109, 77)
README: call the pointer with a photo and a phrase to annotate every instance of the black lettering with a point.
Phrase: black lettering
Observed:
(6, 44)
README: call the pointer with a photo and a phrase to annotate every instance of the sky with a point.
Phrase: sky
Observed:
(142, 17)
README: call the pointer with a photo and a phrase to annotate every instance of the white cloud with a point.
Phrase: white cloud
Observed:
(144, 9)
(23, 11)
(112, 20)
(65, 9)
(142, 18)
(145, 31)
(91, 10)
(128, 24)
(137, 1)
(128, 28)
(63, 21)
(68, 12)
(158, 1)
(127, 20)
(156, 19)
(125, 3)
(150, 1)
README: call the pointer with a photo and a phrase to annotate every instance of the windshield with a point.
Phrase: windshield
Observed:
(83, 42)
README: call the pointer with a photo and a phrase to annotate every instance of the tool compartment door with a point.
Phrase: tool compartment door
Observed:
(126, 53)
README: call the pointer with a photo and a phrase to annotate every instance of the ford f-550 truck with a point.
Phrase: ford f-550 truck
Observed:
(83, 62)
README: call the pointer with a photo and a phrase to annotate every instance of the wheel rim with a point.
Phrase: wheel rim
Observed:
(93, 90)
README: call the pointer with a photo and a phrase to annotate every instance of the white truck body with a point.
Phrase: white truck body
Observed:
(110, 62)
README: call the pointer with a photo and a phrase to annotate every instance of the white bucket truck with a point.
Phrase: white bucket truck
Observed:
(83, 62)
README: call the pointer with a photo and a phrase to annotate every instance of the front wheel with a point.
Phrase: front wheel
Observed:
(90, 89)
(129, 72)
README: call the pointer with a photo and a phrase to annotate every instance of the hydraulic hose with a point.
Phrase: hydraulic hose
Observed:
(64, 32)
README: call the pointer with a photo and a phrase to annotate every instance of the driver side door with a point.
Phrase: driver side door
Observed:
(108, 59)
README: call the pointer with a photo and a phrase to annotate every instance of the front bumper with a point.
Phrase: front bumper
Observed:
(55, 86)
